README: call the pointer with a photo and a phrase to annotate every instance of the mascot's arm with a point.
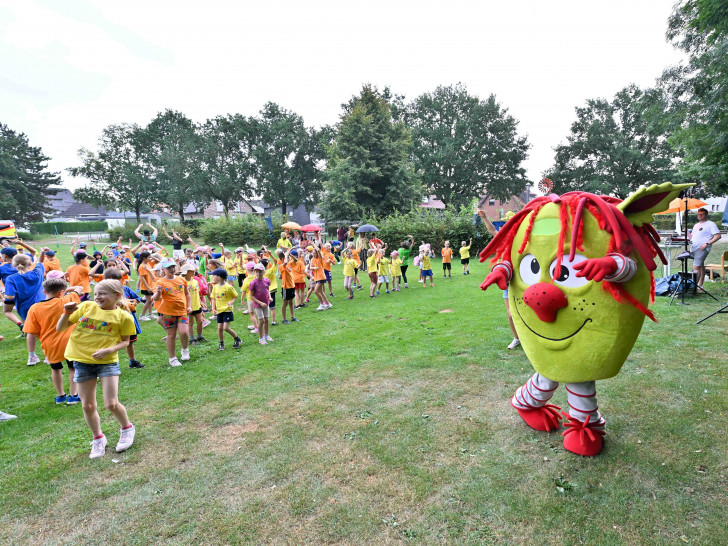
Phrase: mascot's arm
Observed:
(500, 275)
(613, 268)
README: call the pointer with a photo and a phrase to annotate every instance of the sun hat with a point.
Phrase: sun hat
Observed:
(249, 265)
(187, 267)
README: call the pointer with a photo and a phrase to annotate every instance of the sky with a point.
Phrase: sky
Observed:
(70, 68)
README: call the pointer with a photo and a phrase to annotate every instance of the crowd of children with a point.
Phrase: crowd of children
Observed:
(87, 331)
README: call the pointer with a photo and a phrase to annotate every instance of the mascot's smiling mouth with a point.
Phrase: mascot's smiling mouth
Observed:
(551, 338)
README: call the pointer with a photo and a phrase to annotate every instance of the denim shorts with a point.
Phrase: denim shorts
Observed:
(328, 274)
(86, 372)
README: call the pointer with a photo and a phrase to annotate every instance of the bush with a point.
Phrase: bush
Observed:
(666, 222)
(248, 229)
(68, 227)
(433, 227)
(190, 228)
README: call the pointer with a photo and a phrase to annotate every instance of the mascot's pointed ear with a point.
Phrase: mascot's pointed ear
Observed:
(646, 201)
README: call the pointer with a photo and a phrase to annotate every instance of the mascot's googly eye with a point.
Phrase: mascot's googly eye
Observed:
(567, 276)
(530, 270)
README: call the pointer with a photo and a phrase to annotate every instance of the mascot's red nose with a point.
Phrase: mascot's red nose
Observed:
(545, 299)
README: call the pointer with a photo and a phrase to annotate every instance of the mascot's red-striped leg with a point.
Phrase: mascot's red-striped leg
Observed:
(585, 426)
(531, 402)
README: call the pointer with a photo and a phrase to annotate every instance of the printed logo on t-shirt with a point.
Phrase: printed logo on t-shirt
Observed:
(99, 326)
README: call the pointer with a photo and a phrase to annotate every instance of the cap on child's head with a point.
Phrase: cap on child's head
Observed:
(220, 273)
(167, 263)
(82, 245)
(264, 262)
(309, 248)
(97, 253)
(395, 254)
(294, 252)
(259, 267)
(239, 249)
(114, 245)
(187, 267)
(249, 265)
(50, 253)
(8, 251)
(54, 274)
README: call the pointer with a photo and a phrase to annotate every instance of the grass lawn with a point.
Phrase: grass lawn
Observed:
(379, 421)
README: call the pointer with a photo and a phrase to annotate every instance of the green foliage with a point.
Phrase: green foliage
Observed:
(465, 147)
(666, 222)
(369, 170)
(24, 181)
(172, 142)
(68, 227)
(238, 230)
(616, 146)
(225, 159)
(287, 157)
(119, 175)
(433, 227)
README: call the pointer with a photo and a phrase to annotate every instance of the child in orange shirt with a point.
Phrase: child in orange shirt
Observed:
(173, 296)
(446, 260)
(49, 260)
(328, 259)
(146, 283)
(41, 324)
(78, 274)
(319, 279)
(288, 291)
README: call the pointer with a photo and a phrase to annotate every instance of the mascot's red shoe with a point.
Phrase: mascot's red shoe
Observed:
(546, 418)
(582, 439)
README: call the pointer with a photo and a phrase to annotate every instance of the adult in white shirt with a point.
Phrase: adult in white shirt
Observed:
(704, 234)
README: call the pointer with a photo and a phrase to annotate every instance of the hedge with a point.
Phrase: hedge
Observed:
(190, 228)
(666, 222)
(68, 227)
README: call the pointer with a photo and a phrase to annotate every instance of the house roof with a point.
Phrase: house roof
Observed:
(433, 203)
(60, 201)
(78, 209)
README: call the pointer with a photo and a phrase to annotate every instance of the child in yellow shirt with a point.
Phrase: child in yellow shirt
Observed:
(349, 266)
(223, 295)
(395, 268)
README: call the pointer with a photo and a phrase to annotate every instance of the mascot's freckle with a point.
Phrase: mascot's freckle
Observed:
(579, 272)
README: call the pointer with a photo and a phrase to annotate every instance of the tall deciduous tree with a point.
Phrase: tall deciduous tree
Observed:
(225, 159)
(120, 174)
(616, 146)
(172, 142)
(699, 89)
(369, 171)
(287, 159)
(465, 147)
(25, 182)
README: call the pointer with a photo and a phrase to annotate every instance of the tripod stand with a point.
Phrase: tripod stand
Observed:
(687, 280)
(723, 309)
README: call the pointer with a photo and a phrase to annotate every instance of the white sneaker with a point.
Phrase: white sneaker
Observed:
(98, 448)
(330, 305)
(268, 338)
(33, 359)
(7, 416)
(45, 361)
(185, 354)
(126, 439)
(145, 318)
(321, 307)
(515, 343)
(174, 362)
(205, 323)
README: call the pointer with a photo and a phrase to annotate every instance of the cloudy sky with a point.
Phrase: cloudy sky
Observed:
(70, 68)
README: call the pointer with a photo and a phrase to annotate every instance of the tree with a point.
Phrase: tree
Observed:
(615, 147)
(465, 147)
(699, 92)
(172, 143)
(368, 165)
(25, 182)
(287, 159)
(120, 173)
(225, 159)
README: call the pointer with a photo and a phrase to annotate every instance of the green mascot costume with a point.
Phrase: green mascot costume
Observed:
(579, 272)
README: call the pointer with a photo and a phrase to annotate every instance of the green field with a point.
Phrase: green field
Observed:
(379, 421)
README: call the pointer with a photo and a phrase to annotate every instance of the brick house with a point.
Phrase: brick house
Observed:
(495, 208)
(216, 210)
